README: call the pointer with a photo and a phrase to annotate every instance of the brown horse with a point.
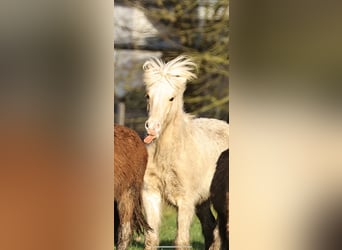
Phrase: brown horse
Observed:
(219, 196)
(130, 159)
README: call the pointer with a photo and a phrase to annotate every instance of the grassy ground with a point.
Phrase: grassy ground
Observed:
(168, 232)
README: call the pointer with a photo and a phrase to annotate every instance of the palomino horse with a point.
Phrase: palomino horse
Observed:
(182, 152)
(219, 191)
(130, 157)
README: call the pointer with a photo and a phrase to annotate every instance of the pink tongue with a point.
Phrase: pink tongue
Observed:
(149, 138)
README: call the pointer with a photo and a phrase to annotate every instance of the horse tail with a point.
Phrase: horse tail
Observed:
(139, 222)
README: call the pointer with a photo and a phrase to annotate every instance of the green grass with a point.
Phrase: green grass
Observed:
(168, 232)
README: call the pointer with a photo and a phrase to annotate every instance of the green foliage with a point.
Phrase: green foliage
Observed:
(199, 29)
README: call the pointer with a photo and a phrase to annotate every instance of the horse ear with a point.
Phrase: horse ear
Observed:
(151, 70)
(152, 63)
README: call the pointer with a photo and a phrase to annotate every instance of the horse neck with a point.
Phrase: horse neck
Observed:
(174, 129)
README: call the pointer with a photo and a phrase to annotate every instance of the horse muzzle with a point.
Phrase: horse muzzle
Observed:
(153, 129)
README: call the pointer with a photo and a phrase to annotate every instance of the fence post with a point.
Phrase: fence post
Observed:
(122, 113)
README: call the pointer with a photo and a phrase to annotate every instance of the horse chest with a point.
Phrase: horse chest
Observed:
(171, 185)
(170, 173)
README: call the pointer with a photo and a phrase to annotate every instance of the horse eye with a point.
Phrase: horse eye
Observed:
(171, 99)
(147, 96)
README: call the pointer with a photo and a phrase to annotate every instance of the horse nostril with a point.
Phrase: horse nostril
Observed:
(146, 125)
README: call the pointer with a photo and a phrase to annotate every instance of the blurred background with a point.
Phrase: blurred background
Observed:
(56, 125)
(166, 29)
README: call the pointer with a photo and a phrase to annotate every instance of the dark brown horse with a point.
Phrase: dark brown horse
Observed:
(324, 232)
(130, 159)
(219, 196)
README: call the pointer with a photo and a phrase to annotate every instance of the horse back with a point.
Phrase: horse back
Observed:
(130, 159)
(211, 131)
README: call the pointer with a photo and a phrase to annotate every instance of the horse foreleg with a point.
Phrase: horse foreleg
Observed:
(125, 210)
(223, 230)
(125, 234)
(184, 218)
(152, 206)
(208, 224)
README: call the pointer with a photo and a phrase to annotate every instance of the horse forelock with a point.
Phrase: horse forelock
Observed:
(176, 72)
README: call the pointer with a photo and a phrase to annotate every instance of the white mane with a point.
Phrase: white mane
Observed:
(176, 72)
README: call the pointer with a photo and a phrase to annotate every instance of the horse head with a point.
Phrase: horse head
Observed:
(165, 84)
